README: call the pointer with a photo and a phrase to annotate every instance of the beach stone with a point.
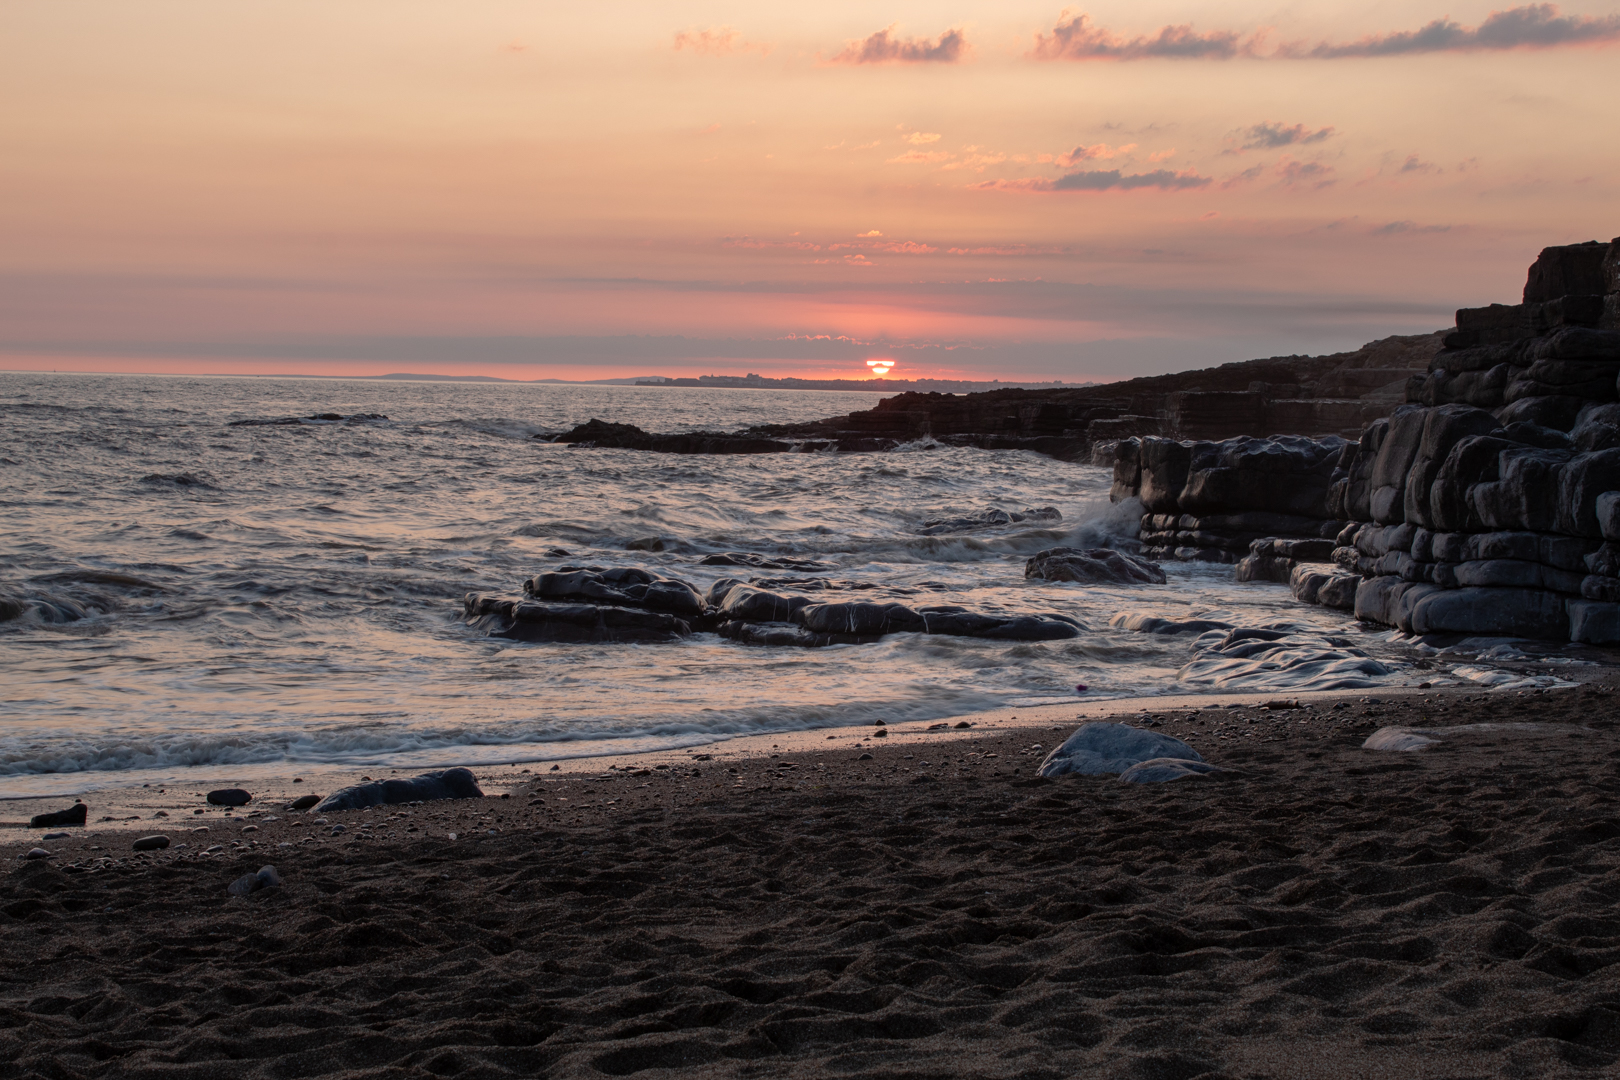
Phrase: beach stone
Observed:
(1407, 739)
(304, 802)
(151, 843)
(37, 853)
(1092, 566)
(456, 783)
(73, 815)
(234, 796)
(57, 836)
(1162, 770)
(1112, 748)
(266, 878)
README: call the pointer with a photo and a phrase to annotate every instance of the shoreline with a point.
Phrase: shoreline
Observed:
(127, 797)
(1323, 911)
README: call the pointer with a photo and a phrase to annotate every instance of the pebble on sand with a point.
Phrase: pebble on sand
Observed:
(303, 802)
(38, 853)
(151, 843)
(231, 796)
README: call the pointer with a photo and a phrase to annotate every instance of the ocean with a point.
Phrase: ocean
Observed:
(265, 600)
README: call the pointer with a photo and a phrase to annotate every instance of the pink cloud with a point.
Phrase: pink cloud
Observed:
(884, 48)
(718, 41)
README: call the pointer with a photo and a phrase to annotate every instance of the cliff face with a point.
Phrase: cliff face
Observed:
(1488, 503)
(1283, 395)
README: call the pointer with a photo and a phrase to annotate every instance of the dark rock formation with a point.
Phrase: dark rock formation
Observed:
(76, 814)
(988, 519)
(1296, 395)
(1096, 566)
(1486, 504)
(1211, 501)
(446, 784)
(630, 604)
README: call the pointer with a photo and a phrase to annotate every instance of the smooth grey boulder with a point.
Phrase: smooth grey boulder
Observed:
(232, 796)
(247, 884)
(1408, 739)
(1093, 566)
(76, 814)
(1099, 748)
(455, 783)
(1532, 613)
(1163, 770)
(1153, 624)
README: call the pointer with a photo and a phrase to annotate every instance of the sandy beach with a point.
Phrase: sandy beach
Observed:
(932, 909)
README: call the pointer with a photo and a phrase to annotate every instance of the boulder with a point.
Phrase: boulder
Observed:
(1163, 770)
(1526, 495)
(1581, 481)
(76, 814)
(455, 783)
(1387, 482)
(750, 604)
(1532, 613)
(233, 796)
(247, 884)
(1443, 429)
(861, 619)
(1153, 624)
(989, 518)
(1099, 748)
(1594, 623)
(1556, 412)
(1092, 566)
(524, 620)
(1164, 467)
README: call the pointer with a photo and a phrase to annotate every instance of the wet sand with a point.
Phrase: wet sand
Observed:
(934, 910)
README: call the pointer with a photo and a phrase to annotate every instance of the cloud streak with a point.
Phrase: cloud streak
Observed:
(1274, 136)
(1531, 26)
(1079, 39)
(1534, 26)
(884, 48)
(1102, 180)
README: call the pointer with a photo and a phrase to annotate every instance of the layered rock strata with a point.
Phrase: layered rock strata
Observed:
(1490, 502)
(1211, 501)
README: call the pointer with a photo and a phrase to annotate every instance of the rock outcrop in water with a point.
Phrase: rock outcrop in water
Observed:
(629, 604)
(1210, 501)
(1094, 566)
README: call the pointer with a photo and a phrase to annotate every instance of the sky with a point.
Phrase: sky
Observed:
(971, 190)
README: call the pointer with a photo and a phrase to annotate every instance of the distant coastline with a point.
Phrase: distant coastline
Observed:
(884, 385)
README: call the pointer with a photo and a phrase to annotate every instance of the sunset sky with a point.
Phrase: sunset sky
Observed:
(973, 190)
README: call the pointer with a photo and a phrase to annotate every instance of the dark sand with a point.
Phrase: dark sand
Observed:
(1329, 913)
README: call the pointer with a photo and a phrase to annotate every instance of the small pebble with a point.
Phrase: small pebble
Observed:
(38, 853)
(151, 843)
(250, 828)
(864, 757)
(56, 836)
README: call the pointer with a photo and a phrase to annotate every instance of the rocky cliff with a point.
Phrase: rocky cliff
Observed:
(1488, 503)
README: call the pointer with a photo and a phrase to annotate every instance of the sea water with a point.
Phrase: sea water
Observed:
(271, 599)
